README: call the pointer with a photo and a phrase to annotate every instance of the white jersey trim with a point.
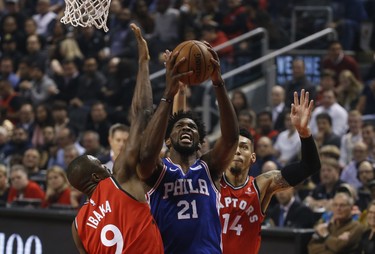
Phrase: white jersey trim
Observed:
(156, 185)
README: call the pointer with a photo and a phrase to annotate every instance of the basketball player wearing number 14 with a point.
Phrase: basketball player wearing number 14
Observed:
(245, 199)
(117, 218)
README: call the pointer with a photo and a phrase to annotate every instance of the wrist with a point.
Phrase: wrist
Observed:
(218, 83)
(167, 100)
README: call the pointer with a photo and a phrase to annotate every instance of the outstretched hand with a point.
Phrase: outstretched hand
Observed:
(301, 113)
(142, 44)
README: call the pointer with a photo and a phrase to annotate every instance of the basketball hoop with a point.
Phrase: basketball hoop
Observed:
(86, 13)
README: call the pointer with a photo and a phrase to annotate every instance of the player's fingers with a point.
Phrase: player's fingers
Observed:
(207, 44)
(306, 102)
(295, 98)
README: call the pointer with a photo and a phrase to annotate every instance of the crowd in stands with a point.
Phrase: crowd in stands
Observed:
(66, 91)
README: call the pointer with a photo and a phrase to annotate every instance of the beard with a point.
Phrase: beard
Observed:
(235, 170)
(185, 150)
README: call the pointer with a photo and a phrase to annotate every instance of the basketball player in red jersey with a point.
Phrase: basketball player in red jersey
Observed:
(117, 218)
(244, 199)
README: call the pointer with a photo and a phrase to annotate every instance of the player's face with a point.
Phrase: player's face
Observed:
(185, 136)
(244, 156)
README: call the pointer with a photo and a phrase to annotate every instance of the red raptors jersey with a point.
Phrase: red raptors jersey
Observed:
(241, 217)
(114, 222)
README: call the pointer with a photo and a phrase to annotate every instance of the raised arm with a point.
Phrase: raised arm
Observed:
(293, 174)
(153, 137)
(179, 100)
(221, 155)
(141, 108)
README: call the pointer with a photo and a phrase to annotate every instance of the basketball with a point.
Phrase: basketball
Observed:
(197, 60)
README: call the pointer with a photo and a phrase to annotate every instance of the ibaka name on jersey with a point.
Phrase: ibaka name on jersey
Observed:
(235, 204)
(98, 214)
(185, 186)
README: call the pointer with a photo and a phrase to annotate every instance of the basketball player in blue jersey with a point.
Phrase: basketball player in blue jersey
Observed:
(183, 189)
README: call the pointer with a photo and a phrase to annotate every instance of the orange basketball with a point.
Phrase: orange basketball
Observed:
(197, 60)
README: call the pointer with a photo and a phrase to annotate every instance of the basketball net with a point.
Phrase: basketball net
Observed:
(86, 13)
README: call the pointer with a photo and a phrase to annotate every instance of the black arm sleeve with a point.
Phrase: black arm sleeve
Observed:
(308, 165)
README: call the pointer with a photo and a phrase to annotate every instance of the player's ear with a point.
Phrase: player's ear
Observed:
(168, 143)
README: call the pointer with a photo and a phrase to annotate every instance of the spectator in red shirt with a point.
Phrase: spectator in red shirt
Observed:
(337, 61)
(22, 187)
(58, 189)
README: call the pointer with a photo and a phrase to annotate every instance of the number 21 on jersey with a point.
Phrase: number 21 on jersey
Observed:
(233, 226)
(188, 210)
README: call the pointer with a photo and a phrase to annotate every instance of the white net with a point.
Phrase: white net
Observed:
(86, 13)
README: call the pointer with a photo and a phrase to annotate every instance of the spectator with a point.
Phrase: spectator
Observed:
(10, 27)
(91, 143)
(41, 88)
(65, 137)
(90, 85)
(367, 243)
(288, 143)
(279, 108)
(35, 53)
(349, 139)
(44, 18)
(22, 187)
(366, 174)
(70, 153)
(91, 42)
(31, 162)
(239, 101)
(325, 135)
(348, 90)
(10, 101)
(7, 71)
(67, 81)
(349, 173)
(98, 121)
(143, 17)
(265, 127)
(299, 81)
(366, 102)
(234, 21)
(122, 42)
(246, 121)
(166, 31)
(337, 61)
(58, 190)
(4, 186)
(43, 117)
(9, 49)
(290, 212)
(264, 152)
(18, 144)
(341, 234)
(368, 137)
(319, 199)
(337, 113)
(60, 116)
(27, 119)
(4, 138)
(49, 148)
(214, 36)
(327, 82)
(348, 16)
(118, 134)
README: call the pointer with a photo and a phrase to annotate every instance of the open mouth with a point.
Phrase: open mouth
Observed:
(186, 138)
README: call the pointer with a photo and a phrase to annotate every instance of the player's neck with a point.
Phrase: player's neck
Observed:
(185, 161)
(236, 179)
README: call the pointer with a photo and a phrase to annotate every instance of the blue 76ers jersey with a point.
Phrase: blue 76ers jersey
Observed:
(186, 209)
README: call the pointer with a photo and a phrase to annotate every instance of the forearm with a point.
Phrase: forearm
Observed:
(308, 165)
(153, 138)
(228, 119)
